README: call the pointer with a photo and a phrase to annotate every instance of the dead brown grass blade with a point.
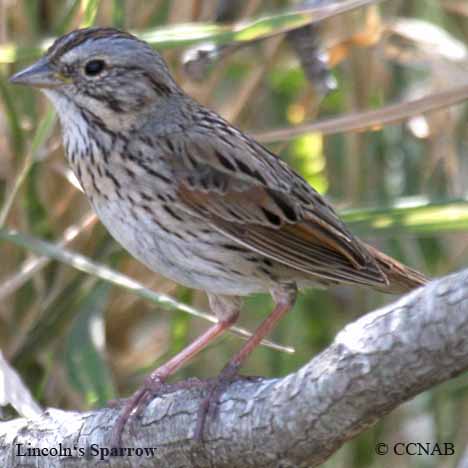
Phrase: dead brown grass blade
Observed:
(369, 120)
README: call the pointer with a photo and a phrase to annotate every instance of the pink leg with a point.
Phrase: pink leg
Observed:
(157, 378)
(284, 303)
(285, 299)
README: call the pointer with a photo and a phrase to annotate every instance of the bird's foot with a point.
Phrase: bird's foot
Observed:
(154, 386)
(215, 388)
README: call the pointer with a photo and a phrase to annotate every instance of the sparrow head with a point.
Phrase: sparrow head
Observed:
(104, 70)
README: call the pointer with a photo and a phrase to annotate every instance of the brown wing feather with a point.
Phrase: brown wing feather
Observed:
(401, 278)
(310, 245)
(250, 195)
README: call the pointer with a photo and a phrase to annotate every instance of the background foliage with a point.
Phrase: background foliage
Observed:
(341, 101)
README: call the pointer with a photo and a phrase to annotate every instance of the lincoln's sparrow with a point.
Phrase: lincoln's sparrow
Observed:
(192, 197)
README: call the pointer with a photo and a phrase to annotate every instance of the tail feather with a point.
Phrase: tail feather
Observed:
(400, 278)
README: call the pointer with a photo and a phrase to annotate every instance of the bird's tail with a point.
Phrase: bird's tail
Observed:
(401, 278)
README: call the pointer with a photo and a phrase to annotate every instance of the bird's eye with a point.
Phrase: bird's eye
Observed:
(94, 67)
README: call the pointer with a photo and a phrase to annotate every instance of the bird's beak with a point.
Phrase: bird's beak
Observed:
(39, 75)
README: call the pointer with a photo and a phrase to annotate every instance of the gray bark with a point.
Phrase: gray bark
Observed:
(374, 364)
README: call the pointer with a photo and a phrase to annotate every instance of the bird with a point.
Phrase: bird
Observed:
(193, 197)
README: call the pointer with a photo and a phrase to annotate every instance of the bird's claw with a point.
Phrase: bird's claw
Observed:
(209, 406)
(154, 386)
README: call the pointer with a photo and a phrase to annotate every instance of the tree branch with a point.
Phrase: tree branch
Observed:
(373, 365)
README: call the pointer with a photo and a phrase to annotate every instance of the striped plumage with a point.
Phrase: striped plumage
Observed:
(188, 194)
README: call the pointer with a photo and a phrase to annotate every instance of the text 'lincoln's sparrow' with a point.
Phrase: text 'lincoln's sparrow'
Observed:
(191, 196)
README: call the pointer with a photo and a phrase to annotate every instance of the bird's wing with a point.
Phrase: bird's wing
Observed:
(249, 194)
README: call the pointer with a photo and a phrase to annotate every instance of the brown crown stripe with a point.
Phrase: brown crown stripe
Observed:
(65, 43)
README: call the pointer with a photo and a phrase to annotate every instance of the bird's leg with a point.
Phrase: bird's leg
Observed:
(284, 297)
(154, 383)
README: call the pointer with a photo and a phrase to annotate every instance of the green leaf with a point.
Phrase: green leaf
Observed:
(419, 217)
(84, 356)
(180, 324)
(118, 13)
(36, 211)
(32, 13)
(90, 9)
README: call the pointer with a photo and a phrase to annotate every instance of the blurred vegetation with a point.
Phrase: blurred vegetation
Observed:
(367, 105)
